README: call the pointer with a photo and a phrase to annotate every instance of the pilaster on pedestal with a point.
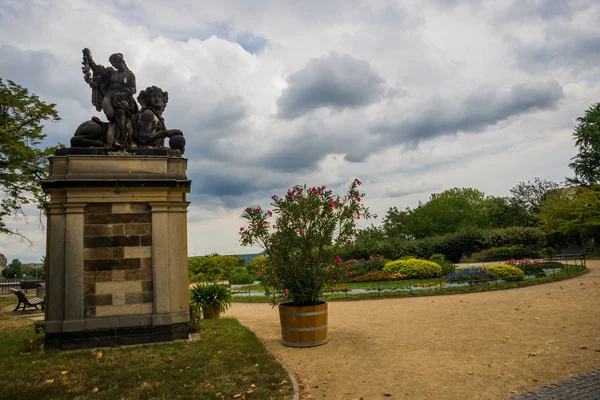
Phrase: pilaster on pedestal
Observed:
(117, 249)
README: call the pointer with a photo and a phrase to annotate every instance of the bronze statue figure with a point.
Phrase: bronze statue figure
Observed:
(112, 92)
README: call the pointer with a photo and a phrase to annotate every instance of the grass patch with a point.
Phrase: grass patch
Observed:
(227, 360)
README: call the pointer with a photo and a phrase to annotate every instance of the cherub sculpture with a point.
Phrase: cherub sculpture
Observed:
(149, 125)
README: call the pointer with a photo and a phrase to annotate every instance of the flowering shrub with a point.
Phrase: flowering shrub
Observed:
(527, 265)
(508, 273)
(301, 237)
(469, 275)
(414, 268)
(377, 276)
(364, 266)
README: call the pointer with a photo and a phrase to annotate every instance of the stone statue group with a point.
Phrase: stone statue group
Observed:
(128, 126)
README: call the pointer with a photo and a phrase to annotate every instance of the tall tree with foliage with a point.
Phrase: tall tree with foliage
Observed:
(586, 164)
(529, 195)
(445, 212)
(573, 213)
(22, 162)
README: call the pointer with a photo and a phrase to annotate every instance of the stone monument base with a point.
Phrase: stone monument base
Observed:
(116, 248)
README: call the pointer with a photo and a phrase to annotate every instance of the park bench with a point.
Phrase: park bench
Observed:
(27, 302)
(573, 253)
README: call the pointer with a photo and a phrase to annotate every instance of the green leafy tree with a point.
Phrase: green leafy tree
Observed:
(504, 212)
(573, 213)
(14, 269)
(445, 212)
(586, 164)
(22, 162)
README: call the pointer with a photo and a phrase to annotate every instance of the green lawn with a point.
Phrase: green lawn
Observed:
(227, 360)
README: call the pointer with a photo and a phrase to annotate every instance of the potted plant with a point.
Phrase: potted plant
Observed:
(213, 299)
(300, 237)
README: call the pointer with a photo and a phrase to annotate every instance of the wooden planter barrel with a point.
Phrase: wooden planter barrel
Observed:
(303, 326)
(211, 312)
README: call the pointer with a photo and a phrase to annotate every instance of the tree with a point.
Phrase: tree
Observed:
(445, 212)
(504, 212)
(530, 195)
(586, 164)
(573, 213)
(22, 162)
(13, 270)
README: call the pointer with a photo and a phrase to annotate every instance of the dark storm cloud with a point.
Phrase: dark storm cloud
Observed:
(476, 112)
(574, 49)
(545, 9)
(337, 81)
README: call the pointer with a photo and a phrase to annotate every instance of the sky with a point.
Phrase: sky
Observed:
(411, 97)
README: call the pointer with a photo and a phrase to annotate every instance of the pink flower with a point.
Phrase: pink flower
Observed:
(274, 226)
(375, 216)
(338, 259)
(270, 213)
(300, 231)
(282, 219)
(323, 187)
(349, 272)
(241, 229)
(285, 292)
(358, 216)
(358, 182)
(331, 202)
(260, 273)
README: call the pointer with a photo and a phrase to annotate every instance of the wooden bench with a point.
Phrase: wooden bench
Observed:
(31, 302)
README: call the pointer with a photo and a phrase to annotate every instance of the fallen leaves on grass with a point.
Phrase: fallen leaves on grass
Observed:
(97, 354)
(49, 381)
(583, 347)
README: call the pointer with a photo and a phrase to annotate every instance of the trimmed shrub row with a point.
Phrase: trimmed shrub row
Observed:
(453, 246)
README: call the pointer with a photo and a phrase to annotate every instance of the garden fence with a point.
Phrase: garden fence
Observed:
(418, 289)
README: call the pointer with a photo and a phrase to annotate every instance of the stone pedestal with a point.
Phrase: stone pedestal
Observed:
(116, 248)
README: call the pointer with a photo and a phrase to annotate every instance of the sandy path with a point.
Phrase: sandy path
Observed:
(489, 345)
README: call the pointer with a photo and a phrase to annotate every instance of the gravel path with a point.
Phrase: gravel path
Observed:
(491, 345)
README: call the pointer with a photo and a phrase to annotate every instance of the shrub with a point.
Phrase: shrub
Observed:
(199, 277)
(240, 276)
(504, 253)
(506, 272)
(364, 266)
(447, 266)
(255, 264)
(195, 317)
(469, 275)
(414, 268)
(213, 266)
(548, 252)
(377, 276)
(515, 236)
(529, 266)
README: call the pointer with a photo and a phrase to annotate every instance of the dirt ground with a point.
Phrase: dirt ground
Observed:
(490, 345)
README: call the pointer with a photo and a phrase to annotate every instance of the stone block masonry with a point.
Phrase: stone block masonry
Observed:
(117, 259)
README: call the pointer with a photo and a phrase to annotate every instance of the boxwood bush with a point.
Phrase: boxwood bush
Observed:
(414, 268)
(240, 276)
(506, 272)
(447, 266)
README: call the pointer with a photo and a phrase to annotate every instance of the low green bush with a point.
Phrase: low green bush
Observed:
(240, 276)
(414, 268)
(548, 252)
(199, 277)
(506, 272)
(447, 266)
